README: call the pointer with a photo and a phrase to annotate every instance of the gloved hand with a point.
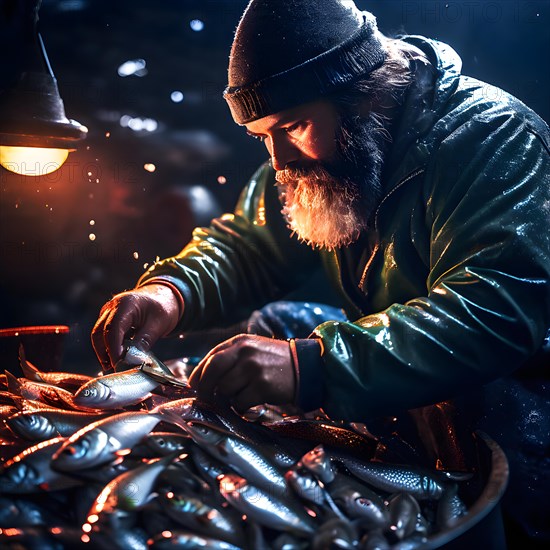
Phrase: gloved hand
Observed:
(146, 314)
(247, 370)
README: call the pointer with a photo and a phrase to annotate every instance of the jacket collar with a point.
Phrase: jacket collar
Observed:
(425, 101)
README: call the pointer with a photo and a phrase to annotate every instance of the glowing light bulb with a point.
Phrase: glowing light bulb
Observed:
(32, 161)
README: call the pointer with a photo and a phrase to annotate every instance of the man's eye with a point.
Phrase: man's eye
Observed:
(293, 128)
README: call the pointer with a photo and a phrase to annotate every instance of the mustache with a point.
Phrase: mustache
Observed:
(311, 171)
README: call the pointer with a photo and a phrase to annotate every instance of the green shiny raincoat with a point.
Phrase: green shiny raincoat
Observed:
(452, 287)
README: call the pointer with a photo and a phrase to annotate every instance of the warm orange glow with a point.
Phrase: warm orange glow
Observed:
(32, 161)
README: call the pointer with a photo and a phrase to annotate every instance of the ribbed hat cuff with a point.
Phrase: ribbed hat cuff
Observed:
(360, 54)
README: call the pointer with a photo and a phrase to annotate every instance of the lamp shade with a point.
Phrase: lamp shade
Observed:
(32, 113)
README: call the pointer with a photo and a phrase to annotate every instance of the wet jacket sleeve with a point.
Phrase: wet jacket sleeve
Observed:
(239, 263)
(487, 302)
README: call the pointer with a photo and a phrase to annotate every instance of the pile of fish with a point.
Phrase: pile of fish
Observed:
(133, 460)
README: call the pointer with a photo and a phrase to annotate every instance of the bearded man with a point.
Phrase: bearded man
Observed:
(423, 194)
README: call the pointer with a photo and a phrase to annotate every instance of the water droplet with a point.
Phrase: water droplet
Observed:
(197, 25)
(176, 96)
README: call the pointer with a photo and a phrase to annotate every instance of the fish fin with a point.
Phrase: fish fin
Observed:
(14, 386)
(29, 370)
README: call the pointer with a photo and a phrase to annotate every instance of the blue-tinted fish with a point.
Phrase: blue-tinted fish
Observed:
(103, 440)
(420, 483)
(265, 508)
(30, 471)
(201, 515)
(49, 422)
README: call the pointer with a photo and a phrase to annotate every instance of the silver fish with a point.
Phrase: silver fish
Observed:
(202, 516)
(129, 491)
(22, 513)
(358, 501)
(335, 533)
(305, 484)
(190, 409)
(66, 380)
(450, 508)
(30, 472)
(240, 455)
(186, 540)
(47, 423)
(374, 540)
(117, 390)
(318, 462)
(135, 357)
(39, 391)
(265, 508)
(103, 440)
(404, 510)
(420, 483)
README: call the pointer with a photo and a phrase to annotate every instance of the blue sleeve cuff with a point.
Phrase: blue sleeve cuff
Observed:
(310, 371)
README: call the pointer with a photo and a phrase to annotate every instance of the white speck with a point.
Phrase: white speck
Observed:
(176, 96)
(134, 67)
(150, 167)
(222, 180)
(197, 25)
(136, 255)
(89, 174)
(107, 134)
(91, 236)
(92, 222)
(97, 180)
(317, 310)
(145, 266)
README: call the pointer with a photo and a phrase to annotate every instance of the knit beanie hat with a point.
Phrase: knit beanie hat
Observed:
(289, 52)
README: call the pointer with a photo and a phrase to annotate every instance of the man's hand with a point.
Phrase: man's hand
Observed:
(146, 313)
(247, 370)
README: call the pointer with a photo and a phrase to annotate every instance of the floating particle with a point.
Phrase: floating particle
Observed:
(92, 222)
(136, 255)
(196, 25)
(107, 134)
(150, 167)
(89, 174)
(222, 180)
(136, 67)
(97, 180)
(91, 236)
(176, 96)
(145, 265)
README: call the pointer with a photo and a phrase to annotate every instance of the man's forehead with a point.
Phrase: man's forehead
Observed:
(306, 111)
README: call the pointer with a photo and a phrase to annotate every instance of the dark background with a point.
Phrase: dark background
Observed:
(51, 271)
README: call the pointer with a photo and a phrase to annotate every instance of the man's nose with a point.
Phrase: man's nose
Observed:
(283, 152)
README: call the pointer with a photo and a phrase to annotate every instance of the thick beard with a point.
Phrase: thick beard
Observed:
(329, 205)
